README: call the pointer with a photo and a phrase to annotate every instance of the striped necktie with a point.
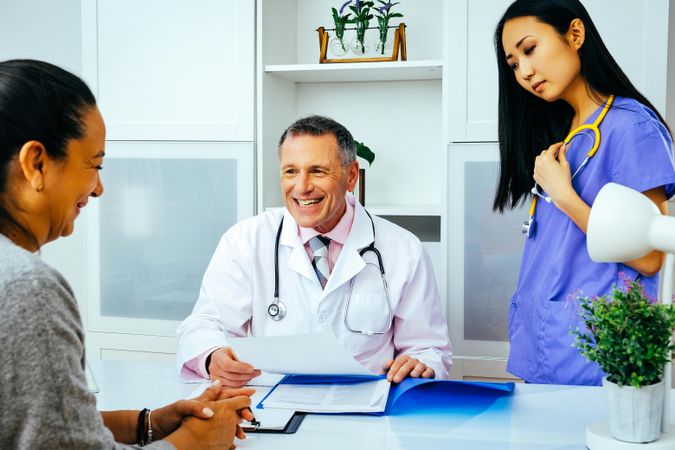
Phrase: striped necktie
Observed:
(319, 246)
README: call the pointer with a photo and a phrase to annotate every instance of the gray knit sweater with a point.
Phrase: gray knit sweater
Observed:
(44, 400)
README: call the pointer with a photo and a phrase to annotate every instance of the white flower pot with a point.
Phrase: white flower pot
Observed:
(634, 413)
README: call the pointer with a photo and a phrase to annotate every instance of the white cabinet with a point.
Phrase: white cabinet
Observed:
(150, 237)
(154, 231)
(175, 84)
(634, 31)
(485, 249)
(171, 69)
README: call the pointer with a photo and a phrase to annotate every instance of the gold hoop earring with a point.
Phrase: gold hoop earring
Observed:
(41, 188)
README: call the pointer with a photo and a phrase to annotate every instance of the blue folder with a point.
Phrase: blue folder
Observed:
(414, 394)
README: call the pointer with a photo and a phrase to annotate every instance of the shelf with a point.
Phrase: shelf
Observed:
(399, 210)
(394, 210)
(349, 72)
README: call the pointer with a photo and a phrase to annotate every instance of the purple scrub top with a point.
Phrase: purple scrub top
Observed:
(635, 151)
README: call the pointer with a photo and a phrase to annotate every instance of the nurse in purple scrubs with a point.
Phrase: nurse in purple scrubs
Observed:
(555, 75)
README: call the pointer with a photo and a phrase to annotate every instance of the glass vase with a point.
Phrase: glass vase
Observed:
(384, 48)
(359, 47)
(338, 47)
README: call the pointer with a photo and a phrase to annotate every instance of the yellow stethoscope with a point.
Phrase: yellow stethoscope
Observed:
(529, 225)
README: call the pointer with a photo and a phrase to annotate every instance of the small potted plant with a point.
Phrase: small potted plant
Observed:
(362, 18)
(338, 45)
(629, 337)
(384, 15)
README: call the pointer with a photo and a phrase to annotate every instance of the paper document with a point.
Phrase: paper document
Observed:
(365, 396)
(306, 354)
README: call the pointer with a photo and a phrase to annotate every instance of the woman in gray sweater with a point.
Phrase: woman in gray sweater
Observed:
(52, 140)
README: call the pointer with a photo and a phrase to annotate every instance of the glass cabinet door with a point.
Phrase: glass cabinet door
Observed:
(485, 250)
(165, 207)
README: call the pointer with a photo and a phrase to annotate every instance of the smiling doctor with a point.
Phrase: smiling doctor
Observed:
(336, 268)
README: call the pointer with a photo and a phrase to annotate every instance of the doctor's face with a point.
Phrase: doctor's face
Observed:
(314, 182)
(544, 63)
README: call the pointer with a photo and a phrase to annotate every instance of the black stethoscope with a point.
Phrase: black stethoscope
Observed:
(277, 309)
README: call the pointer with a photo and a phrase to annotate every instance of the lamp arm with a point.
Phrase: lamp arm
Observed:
(661, 234)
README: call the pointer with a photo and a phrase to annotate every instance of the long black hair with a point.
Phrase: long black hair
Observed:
(40, 102)
(528, 124)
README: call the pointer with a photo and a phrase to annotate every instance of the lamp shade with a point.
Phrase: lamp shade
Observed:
(625, 224)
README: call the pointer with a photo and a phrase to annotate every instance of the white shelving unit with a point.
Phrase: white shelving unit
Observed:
(394, 107)
(358, 72)
(395, 210)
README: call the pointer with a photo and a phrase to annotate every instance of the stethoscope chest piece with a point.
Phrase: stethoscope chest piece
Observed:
(528, 227)
(277, 310)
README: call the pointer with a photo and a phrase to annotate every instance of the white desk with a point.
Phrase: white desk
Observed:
(536, 417)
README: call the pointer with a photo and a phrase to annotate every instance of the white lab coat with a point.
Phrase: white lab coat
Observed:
(238, 287)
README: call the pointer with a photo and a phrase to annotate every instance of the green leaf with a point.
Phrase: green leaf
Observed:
(391, 16)
(364, 152)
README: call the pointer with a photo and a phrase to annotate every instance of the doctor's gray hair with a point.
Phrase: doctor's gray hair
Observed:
(318, 126)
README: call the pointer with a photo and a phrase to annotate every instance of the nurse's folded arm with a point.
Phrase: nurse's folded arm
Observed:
(226, 367)
(553, 175)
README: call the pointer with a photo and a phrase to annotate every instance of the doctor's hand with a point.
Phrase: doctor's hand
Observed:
(225, 366)
(552, 173)
(404, 366)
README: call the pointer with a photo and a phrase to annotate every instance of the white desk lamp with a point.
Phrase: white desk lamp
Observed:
(625, 225)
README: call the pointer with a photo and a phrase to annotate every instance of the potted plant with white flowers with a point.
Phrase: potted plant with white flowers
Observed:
(629, 336)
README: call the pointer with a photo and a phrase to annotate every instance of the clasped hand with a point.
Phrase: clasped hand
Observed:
(552, 172)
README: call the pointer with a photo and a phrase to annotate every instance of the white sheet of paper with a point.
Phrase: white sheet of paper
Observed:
(369, 396)
(305, 354)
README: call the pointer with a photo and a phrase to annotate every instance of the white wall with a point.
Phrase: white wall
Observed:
(49, 30)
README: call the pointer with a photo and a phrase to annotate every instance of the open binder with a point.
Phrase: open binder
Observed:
(409, 395)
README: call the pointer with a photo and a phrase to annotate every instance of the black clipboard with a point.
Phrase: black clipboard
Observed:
(291, 426)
